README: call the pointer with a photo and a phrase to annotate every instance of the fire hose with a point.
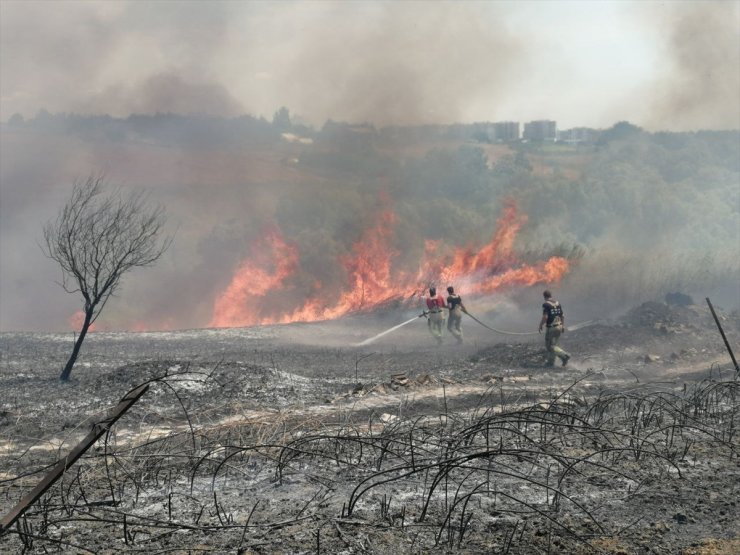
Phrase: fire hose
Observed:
(500, 331)
(571, 328)
(425, 314)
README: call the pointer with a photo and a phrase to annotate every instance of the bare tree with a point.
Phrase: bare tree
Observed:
(97, 237)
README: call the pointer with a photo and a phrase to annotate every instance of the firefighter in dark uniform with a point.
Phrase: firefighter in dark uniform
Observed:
(554, 318)
(456, 308)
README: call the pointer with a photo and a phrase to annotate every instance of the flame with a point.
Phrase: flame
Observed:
(369, 269)
(466, 263)
(78, 319)
(264, 277)
(272, 260)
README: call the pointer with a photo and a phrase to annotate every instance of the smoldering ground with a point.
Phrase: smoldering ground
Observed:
(285, 439)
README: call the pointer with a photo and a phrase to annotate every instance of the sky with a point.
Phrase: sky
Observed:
(661, 65)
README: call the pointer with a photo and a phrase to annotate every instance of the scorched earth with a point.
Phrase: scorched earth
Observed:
(292, 439)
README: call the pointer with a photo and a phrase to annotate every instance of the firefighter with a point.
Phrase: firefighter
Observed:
(454, 320)
(435, 314)
(554, 318)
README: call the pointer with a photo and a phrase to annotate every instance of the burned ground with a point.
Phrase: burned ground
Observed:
(290, 440)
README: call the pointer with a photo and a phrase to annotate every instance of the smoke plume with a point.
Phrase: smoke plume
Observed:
(698, 83)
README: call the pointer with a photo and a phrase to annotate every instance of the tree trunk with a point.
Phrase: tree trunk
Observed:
(78, 344)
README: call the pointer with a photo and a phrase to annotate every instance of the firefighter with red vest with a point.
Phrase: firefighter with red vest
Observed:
(554, 318)
(435, 314)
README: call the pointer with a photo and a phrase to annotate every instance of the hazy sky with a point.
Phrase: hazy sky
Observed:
(663, 65)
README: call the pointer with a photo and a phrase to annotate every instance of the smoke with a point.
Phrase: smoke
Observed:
(401, 63)
(384, 63)
(381, 62)
(115, 58)
(166, 92)
(697, 84)
(641, 216)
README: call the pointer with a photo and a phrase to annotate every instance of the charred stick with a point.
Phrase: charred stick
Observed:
(98, 430)
(724, 337)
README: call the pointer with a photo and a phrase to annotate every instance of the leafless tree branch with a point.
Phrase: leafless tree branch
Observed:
(97, 237)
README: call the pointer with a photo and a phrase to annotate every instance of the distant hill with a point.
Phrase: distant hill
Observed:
(641, 213)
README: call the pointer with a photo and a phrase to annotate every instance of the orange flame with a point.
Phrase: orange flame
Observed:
(271, 262)
(78, 319)
(371, 280)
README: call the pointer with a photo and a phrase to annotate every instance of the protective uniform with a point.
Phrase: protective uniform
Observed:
(554, 313)
(435, 314)
(454, 320)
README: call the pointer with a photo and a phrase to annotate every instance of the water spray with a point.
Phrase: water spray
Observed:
(502, 332)
(394, 328)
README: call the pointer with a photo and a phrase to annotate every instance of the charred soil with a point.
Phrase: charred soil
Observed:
(289, 439)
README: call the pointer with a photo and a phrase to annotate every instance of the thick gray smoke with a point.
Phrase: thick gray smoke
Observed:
(642, 215)
(698, 81)
(166, 92)
(405, 64)
(225, 182)
(388, 63)
(115, 58)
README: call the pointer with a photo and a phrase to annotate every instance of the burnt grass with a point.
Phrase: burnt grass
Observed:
(289, 439)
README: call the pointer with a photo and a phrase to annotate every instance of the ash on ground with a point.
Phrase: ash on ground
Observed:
(289, 439)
